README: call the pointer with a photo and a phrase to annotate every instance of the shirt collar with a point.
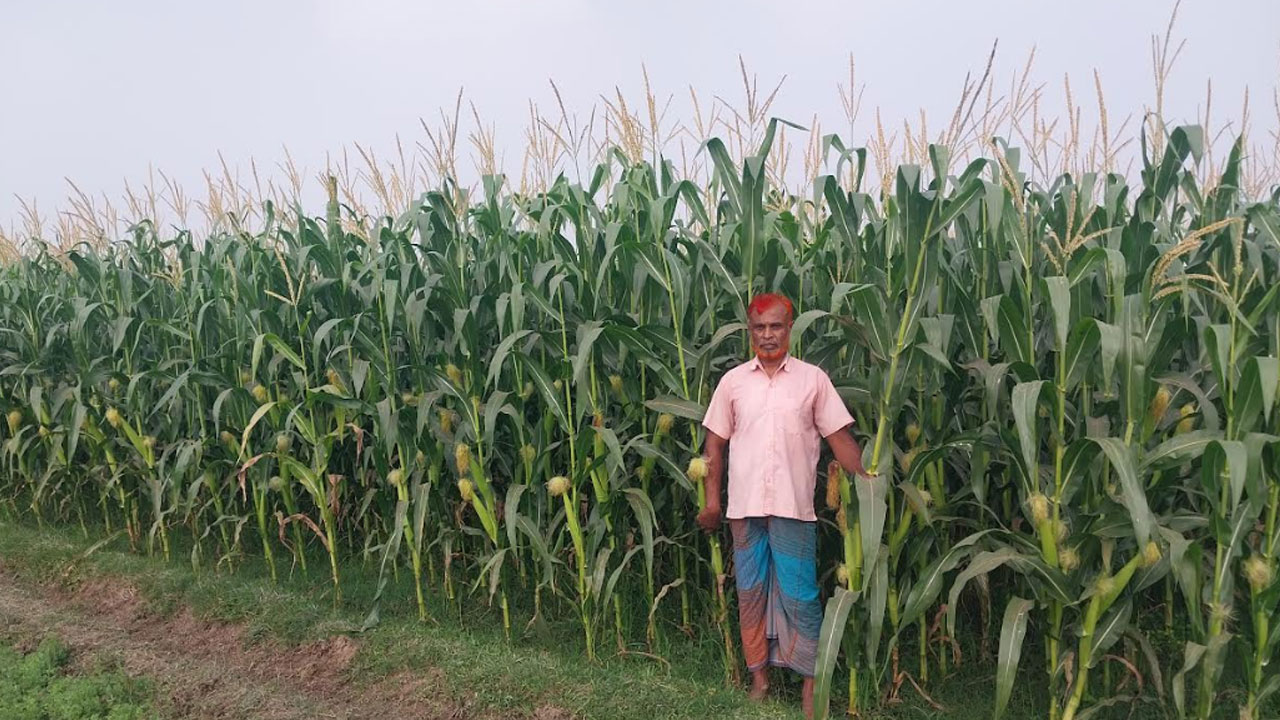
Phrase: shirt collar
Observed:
(755, 364)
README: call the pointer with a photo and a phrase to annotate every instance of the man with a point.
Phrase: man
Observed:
(771, 411)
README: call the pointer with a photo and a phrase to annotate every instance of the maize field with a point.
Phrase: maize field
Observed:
(1067, 390)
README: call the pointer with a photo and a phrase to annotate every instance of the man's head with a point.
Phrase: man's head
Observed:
(769, 318)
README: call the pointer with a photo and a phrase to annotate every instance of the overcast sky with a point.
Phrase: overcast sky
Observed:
(99, 91)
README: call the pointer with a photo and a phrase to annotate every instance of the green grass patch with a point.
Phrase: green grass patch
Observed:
(462, 641)
(38, 686)
(543, 665)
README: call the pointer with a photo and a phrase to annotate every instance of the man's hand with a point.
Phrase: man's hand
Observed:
(709, 518)
(847, 453)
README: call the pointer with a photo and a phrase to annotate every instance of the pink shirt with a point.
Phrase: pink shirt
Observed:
(774, 426)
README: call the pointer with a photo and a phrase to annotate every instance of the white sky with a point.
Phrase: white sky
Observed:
(98, 92)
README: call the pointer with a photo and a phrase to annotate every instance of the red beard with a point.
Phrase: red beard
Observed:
(770, 356)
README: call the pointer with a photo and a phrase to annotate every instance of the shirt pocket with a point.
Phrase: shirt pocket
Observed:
(796, 417)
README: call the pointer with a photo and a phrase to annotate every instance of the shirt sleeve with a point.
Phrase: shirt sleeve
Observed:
(829, 411)
(719, 417)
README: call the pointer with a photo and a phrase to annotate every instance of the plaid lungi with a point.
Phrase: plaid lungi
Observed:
(777, 581)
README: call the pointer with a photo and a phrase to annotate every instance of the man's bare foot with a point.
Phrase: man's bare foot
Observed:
(759, 685)
(806, 698)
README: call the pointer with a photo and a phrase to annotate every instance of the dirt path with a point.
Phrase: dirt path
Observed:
(206, 669)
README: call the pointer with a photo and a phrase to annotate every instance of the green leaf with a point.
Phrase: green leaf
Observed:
(1059, 291)
(643, 348)
(935, 353)
(1083, 343)
(540, 549)
(834, 621)
(1047, 579)
(647, 450)
(653, 267)
(588, 333)
(1191, 655)
(616, 575)
(1237, 467)
(1217, 344)
(1269, 379)
(916, 501)
(1255, 393)
(78, 414)
(646, 518)
(253, 421)
(501, 352)
(1109, 630)
(1076, 464)
(1012, 631)
(872, 506)
(676, 406)
(511, 511)
(1179, 449)
(492, 570)
(981, 564)
(1154, 663)
(322, 334)
(388, 425)
(724, 333)
(1266, 218)
(309, 480)
(1131, 491)
(844, 218)
(869, 311)
(598, 574)
(1013, 331)
(1248, 397)
(285, 350)
(803, 322)
(877, 596)
(496, 405)
(938, 330)
(959, 203)
(990, 309)
(928, 585)
(1111, 341)
(1025, 402)
(162, 406)
(1214, 660)
(390, 549)
(547, 389)
(1208, 412)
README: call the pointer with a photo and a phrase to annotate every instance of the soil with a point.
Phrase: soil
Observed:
(206, 669)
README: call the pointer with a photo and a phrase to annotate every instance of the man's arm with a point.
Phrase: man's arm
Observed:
(829, 411)
(847, 452)
(709, 517)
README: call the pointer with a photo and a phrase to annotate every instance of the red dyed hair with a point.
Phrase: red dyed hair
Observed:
(761, 303)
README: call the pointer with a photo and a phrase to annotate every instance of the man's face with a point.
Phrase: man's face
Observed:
(770, 332)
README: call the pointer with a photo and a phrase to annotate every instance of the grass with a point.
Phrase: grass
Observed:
(543, 667)
(39, 686)
(467, 648)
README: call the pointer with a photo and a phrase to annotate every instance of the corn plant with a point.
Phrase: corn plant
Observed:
(1065, 387)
